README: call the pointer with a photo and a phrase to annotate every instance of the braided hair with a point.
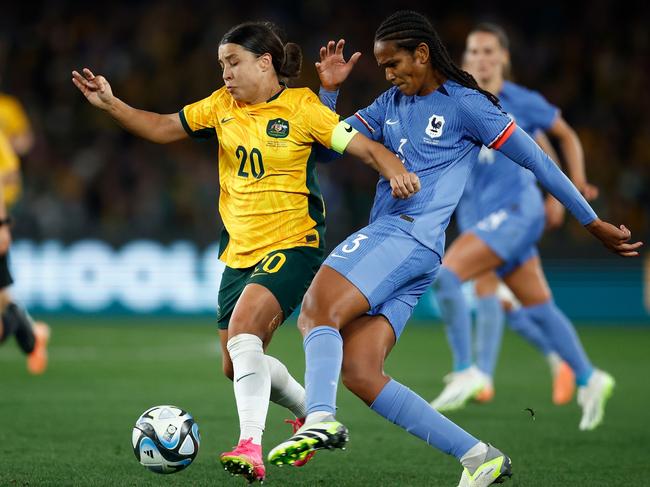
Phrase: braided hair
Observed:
(408, 29)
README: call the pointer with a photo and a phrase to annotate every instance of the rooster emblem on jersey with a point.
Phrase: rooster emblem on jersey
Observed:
(434, 129)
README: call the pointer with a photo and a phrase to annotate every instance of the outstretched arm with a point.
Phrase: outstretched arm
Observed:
(520, 148)
(148, 125)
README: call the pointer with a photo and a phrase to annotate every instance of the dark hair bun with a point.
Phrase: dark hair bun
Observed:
(292, 61)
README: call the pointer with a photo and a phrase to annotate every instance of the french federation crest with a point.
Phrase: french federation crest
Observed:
(434, 129)
(277, 128)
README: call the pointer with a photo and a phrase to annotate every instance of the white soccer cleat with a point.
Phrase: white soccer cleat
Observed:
(461, 387)
(494, 470)
(593, 397)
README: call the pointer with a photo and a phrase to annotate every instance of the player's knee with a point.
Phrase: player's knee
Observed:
(313, 314)
(536, 298)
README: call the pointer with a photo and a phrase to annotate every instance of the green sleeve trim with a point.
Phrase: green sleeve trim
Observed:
(205, 133)
(342, 135)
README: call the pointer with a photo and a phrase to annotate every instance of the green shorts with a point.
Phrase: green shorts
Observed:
(286, 273)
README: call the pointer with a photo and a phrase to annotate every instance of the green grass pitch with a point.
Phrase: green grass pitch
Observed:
(72, 426)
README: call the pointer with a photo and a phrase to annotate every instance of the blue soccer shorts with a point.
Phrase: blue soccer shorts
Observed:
(390, 268)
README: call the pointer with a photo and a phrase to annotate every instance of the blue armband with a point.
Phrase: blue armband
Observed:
(520, 148)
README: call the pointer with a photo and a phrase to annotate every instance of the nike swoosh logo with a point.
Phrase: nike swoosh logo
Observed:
(244, 376)
(224, 120)
(339, 256)
(391, 122)
(348, 129)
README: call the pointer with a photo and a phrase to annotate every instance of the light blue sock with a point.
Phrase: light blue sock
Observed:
(456, 315)
(323, 358)
(521, 323)
(563, 338)
(403, 407)
(489, 332)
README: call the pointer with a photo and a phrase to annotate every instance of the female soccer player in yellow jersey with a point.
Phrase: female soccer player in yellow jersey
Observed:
(270, 205)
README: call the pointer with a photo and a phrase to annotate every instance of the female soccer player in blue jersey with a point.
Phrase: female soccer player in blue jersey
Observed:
(501, 215)
(436, 118)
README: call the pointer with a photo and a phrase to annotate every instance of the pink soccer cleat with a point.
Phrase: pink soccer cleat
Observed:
(245, 460)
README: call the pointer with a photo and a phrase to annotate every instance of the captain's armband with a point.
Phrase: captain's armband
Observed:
(342, 135)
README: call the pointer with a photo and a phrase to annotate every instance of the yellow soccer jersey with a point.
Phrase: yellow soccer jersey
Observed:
(9, 166)
(270, 198)
(13, 120)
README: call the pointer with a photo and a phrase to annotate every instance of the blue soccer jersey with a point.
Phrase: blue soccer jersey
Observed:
(438, 136)
(496, 181)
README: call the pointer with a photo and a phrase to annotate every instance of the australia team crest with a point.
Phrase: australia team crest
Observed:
(277, 128)
(434, 129)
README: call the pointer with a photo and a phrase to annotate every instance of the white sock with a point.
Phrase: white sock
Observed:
(252, 384)
(285, 390)
(554, 361)
(318, 416)
(475, 457)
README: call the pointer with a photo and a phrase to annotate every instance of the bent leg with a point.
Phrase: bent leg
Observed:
(529, 285)
(367, 342)
(253, 320)
(331, 303)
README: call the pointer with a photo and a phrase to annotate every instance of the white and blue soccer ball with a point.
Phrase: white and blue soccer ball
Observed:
(165, 439)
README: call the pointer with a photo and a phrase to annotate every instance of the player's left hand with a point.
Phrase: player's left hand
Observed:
(404, 185)
(332, 68)
(614, 238)
(588, 190)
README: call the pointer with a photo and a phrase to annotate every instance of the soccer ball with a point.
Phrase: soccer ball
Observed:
(165, 439)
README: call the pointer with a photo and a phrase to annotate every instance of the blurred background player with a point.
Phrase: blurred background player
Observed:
(14, 123)
(502, 217)
(435, 117)
(488, 60)
(270, 202)
(16, 140)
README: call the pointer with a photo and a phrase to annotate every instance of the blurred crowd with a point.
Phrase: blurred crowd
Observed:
(86, 177)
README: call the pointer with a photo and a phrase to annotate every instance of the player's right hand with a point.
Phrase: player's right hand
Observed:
(614, 238)
(404, 185)
(95, 88)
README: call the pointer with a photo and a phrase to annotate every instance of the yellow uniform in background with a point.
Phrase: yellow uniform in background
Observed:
(13, 119)
(270, 197)
(13, 123)
(9, 166)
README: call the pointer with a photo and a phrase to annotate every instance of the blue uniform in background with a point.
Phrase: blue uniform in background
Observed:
(501, 203)
(394, 259)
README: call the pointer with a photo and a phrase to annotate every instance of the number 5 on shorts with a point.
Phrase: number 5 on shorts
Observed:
(356, 242)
